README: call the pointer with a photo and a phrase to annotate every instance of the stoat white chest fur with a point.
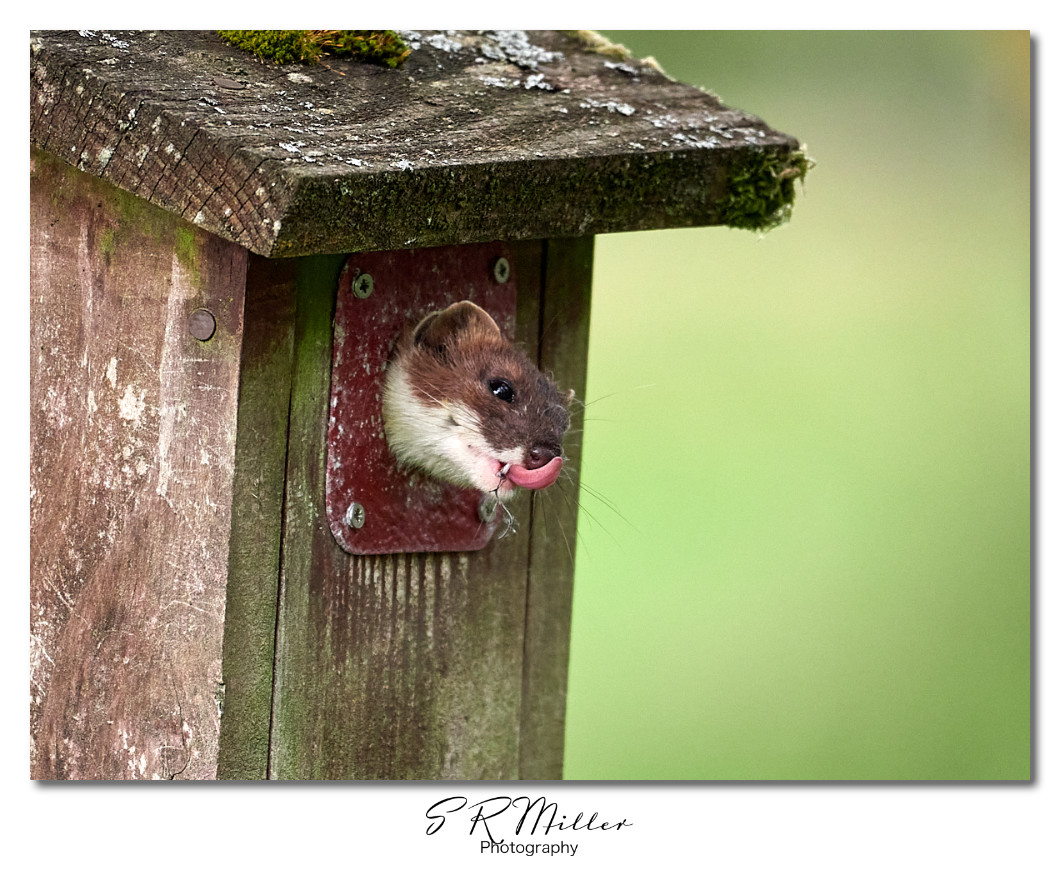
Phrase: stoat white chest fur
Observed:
(464, 405)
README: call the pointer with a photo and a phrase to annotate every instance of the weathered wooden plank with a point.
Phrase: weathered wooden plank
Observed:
(298, 689)
(257, 514)
(481, 135)
(132, 431)
(401, 666)
(564, 343)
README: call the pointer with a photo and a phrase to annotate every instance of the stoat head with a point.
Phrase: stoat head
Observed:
(464, 405)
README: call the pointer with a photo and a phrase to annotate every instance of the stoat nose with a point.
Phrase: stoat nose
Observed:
(540, 455)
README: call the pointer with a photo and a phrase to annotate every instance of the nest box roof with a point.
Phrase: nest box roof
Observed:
(478, 136)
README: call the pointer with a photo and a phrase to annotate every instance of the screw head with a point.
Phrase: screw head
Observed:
(201, 324)
(355, 515)
(487, 508)
(502, 270)
(363, 285)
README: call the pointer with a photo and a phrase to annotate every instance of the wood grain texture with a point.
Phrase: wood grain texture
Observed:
(257, 518)
(480, 135)
(408, 666)
(132, 431)
(191, 613)
(564, 342)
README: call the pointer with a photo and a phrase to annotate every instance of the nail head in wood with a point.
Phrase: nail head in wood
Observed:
(363, 285)
(355, 515)
(201, 324)
(501, 270)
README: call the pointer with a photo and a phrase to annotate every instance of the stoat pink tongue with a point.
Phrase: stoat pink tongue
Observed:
(536, 478)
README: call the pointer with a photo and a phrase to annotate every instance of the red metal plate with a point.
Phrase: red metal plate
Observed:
(399, 511)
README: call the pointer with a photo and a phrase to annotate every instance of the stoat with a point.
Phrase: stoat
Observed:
(464, 405)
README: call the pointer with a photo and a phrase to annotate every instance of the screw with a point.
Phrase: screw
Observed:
(502, 270)
(201, 324)
(355, 515)
(363, 285)
(487, 508)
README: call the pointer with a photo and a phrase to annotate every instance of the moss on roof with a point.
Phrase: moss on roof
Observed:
(761, 193)
(383, 47)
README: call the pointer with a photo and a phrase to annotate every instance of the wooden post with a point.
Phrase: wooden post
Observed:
(192, 613)
(131, 428)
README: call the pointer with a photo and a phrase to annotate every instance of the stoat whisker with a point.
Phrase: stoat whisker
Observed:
(541, 499)
(582, 508)
(563, 534)
(617, 393)
(607, 503)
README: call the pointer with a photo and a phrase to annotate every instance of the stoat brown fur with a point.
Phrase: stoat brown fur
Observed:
(464, 405)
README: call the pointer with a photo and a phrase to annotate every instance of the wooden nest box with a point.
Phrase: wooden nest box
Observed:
(225, 583)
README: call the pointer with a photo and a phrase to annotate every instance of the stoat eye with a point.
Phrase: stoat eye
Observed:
(502, 389)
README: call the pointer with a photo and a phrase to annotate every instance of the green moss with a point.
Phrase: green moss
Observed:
(106, 242)
(187, 251)
(382, 47)
(762, 191)
(279, 46)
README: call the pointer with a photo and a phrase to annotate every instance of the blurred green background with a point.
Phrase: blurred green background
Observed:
(808, 555)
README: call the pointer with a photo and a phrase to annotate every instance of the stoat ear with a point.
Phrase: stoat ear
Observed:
(460, 321)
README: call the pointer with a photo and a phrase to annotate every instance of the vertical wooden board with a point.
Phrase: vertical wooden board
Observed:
(403, 666)
(564, 329)
(257, 513)
(132, 438)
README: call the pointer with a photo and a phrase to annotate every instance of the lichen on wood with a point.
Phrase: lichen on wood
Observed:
(478, 136)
